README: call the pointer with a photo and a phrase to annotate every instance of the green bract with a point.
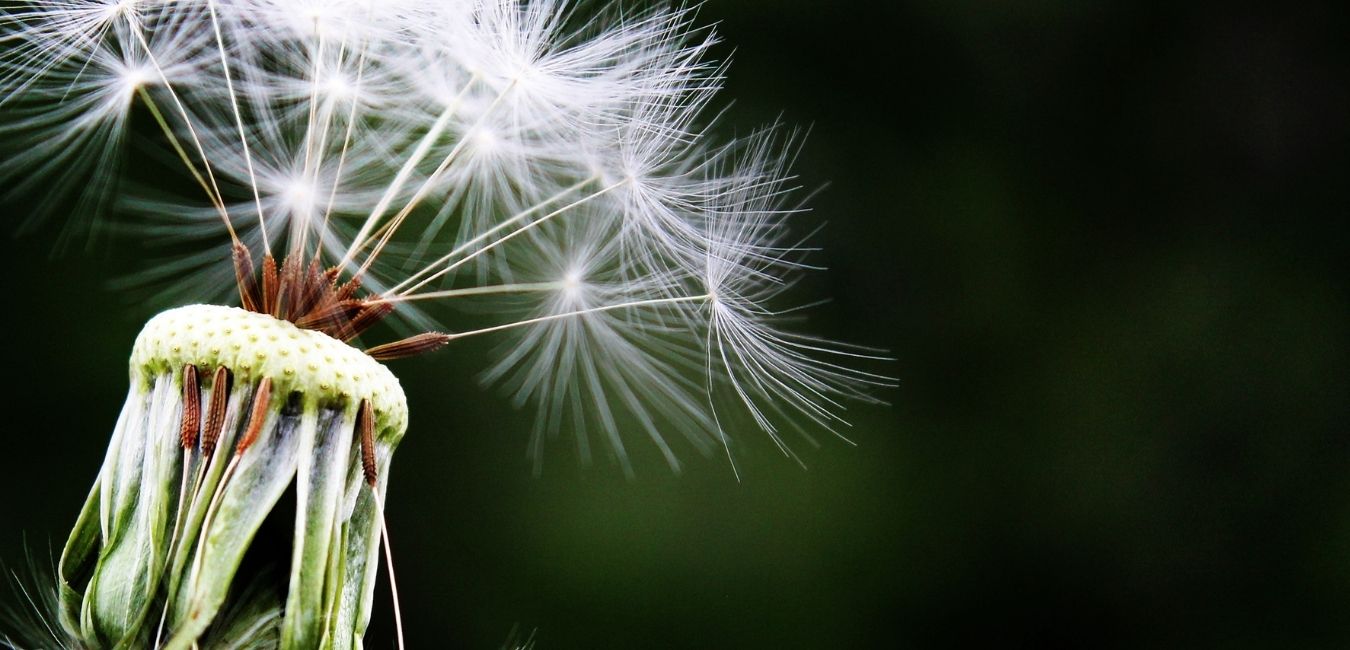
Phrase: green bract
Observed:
(157, 550)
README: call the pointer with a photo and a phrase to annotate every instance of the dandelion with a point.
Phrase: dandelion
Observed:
(360, 162)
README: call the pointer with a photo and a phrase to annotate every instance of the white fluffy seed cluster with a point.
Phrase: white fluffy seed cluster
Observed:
(553, 156)
(253, 346)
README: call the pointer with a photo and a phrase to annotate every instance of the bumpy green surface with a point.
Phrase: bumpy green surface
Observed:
(255, 345)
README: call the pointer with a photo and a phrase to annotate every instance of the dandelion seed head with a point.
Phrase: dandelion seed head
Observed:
(552, 161)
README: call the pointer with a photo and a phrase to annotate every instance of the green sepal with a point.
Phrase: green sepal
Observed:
(76, 556)
(251, 489)
(123, 587)
(320, 479)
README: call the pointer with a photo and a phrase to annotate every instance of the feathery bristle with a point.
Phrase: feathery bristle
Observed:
(556, 160)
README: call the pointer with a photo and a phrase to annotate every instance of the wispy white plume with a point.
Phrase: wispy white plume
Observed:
(550, 156)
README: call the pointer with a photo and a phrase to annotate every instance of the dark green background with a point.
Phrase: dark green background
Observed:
(1105, 242)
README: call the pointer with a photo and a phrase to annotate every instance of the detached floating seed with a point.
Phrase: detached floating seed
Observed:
(157, 550)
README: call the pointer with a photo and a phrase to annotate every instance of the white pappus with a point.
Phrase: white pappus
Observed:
(547, 154)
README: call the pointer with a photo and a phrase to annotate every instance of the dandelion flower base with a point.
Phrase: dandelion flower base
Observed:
(256, 345)
(227, 410)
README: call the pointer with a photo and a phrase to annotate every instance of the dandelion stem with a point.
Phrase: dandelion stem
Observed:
(420, 152)
(239, 122)
(582, 312)
(342, 155)
(310, 173)
(187, 161)
(217, 197)
(432, 178)
(393, 584)
(488, 233)
(511, 235)
(522, 287)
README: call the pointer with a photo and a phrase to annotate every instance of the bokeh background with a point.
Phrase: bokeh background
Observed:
(1105, 242)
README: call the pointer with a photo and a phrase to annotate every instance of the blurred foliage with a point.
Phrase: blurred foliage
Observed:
(1106, 244)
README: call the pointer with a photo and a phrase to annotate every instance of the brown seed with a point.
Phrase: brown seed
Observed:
(330, 316)
(257, 417)
(244, 276)
(365, 423)
(215, 417)
(313, 290)
(192, 408)
(290, 291)
(370, 314)
(347, 289)
(270, 285)
(411, 346)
